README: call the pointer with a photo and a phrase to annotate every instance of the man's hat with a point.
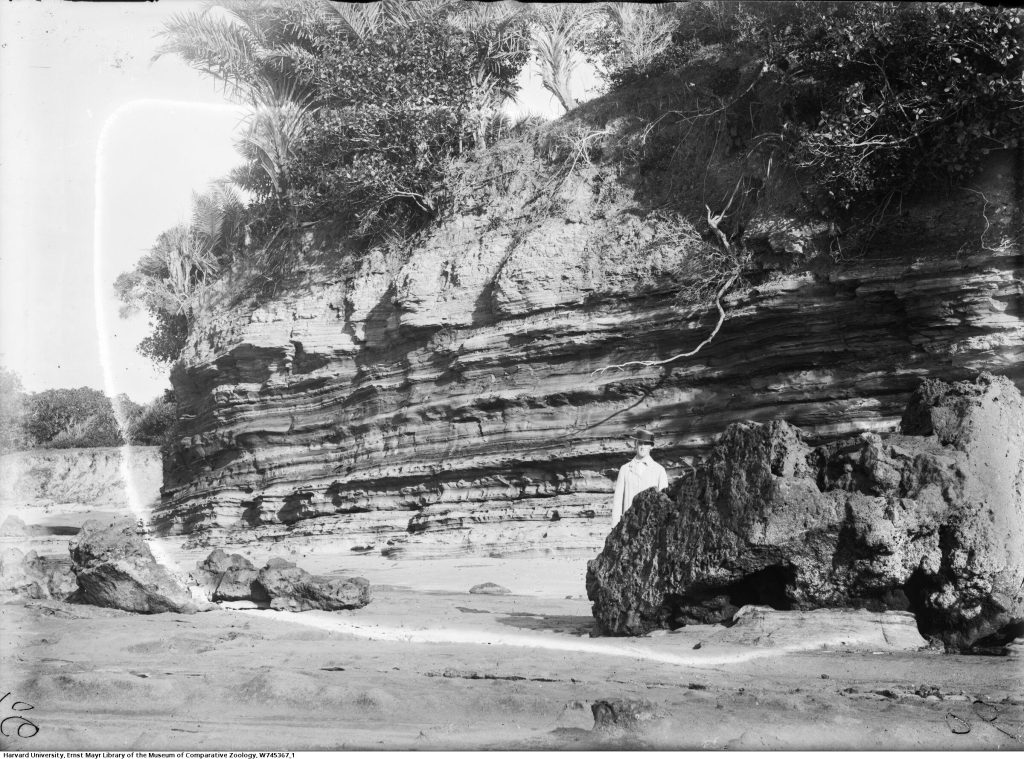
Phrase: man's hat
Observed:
(643, 436)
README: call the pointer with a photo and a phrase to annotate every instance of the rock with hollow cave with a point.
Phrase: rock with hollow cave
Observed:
(929, 520)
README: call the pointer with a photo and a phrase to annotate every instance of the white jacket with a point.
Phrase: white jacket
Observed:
(636, 476)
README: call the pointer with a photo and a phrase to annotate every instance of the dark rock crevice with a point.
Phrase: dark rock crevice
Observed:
(771, 586)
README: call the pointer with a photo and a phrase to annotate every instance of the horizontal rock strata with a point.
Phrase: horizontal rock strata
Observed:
(448, 403)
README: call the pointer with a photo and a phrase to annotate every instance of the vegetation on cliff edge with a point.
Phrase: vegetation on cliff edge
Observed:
(362, 113)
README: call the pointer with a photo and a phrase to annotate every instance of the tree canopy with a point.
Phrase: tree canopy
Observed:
(78, 418)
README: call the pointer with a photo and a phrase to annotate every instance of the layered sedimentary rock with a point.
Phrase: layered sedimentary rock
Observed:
(930, 520)
(450, 400)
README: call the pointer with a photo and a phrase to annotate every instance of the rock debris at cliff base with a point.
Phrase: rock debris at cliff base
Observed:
(929, 520)
(421, 673)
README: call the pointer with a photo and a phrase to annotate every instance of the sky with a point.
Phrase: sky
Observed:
(100, 150)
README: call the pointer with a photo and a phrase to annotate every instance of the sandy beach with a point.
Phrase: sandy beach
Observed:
(427, 666)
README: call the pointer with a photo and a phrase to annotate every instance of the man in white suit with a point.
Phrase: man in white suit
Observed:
(638, 474)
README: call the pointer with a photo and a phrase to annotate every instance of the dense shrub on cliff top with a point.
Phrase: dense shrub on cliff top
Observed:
(358, 110)
(904, 96)
(394, 107)
(870, 99)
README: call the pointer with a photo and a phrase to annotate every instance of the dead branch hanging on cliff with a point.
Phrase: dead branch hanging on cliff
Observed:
(721, 320)
(713, 221)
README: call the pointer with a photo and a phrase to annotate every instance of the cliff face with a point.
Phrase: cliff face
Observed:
(447, 402)
(47, 494)
(78, 477)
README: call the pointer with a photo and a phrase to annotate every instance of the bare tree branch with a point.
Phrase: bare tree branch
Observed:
(721, 320)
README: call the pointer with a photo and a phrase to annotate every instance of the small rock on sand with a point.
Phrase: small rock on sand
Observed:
(489, 589)
(623, 714)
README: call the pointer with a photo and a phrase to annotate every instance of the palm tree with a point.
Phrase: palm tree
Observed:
(500, 31)
(256, 50)
(173, 275)
(557, 30)
(218, 215)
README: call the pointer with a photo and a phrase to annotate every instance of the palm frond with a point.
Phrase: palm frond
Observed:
(471, 16)
(248, 47)
(215, 45)
(557, 31)
(173, 274)
(557, 65)
(218, 215)
(270, 138)
(404, 13)
(356, 20)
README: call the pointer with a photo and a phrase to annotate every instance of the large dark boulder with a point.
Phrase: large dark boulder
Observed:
(240, 584)
(930, 520)
(114, 567)
(293, 589)
(280, 584)
(210, 575)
